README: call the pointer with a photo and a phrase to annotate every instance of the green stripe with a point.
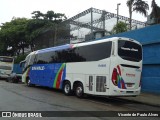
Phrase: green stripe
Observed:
(56, 78)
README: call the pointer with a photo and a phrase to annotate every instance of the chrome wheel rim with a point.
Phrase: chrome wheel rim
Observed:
(79, 91)
(67, 88)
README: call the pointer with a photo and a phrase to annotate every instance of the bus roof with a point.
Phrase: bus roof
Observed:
(101, 41)
(62, 47)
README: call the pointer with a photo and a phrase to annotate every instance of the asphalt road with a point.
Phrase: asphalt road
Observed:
(19, 97)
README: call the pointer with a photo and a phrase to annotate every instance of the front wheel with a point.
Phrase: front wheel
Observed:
(67, 88)
(79, 90)
(28, 82)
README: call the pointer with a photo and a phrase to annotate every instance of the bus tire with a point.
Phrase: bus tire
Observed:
(7, 80)
(12, 80)
(79, 90)
(67, 88)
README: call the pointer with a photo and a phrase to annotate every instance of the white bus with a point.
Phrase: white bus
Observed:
(6, 66)
(108, 67)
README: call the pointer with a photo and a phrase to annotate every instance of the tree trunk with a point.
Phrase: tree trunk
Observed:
(130, 21)
(55, 36)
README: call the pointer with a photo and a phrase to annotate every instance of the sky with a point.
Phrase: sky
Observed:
(24, 8)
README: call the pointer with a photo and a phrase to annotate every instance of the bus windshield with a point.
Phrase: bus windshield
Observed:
(128, 50)
(6, 66)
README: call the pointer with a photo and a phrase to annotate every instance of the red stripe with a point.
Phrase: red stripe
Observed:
(119, 69)
(59, 79)
(123, 87)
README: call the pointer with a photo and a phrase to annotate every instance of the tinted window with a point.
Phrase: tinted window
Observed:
(44, 58)
(80, 54)
(129, 50)
(94, 52)
(4, 59)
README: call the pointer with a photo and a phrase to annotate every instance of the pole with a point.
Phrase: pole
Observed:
(118, 11)
(91, 23)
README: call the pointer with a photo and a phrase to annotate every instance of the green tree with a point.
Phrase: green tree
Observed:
(3, 45)
(13, 36)
(49, 15)
(155, 14)
(43, 22)
(119, 28)
(138, 6)
(37, 15)
(34, 28)
(21, 33)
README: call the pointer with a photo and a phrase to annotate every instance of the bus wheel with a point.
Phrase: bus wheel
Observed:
(67, 88)
(79, 90)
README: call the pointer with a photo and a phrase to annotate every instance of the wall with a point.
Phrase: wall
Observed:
(17, 69)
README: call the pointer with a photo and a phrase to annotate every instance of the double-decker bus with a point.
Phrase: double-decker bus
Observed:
(6, 66)
(108, 67)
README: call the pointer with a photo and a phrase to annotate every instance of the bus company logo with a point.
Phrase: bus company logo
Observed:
(130, 75)
(102, 65)
(38, 68)
(129, 49)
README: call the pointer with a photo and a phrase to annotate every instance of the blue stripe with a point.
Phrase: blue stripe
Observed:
(62, 47)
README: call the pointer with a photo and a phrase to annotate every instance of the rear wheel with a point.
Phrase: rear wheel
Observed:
(79, 90)
(67, 88)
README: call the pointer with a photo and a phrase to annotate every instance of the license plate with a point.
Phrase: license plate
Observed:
(129, 85)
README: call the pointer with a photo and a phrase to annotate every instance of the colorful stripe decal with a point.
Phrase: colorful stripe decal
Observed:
(58, 77)
(119, 70)
(117, 78)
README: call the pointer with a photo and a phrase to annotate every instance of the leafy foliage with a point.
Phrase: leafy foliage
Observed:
(20, 33)
(20, 58)
(155, 14)
(138, 6)
(119, 28)
(12, 34)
